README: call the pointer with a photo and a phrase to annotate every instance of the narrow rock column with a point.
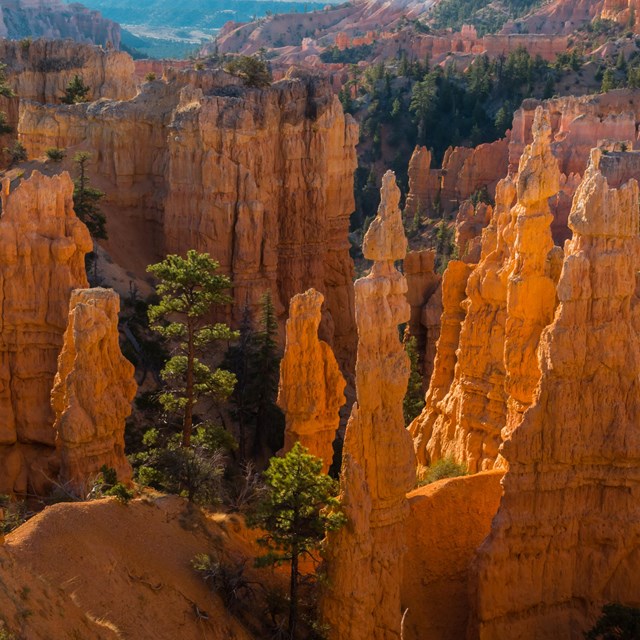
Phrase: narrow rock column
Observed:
(531, 292)
(311, 389)
(364, 559)
(93, 390)
(566, 539)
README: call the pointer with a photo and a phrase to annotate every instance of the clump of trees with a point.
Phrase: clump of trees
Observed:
(253, 70)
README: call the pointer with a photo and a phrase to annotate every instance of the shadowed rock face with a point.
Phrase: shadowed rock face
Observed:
(510, 298)
(93, 390)
(364, 559)
(260, 179)
(311, 389)
(42, 249)
(566, 538)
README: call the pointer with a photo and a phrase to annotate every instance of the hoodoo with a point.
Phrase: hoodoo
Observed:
(93, 390)
(311, 389)
(364, 559)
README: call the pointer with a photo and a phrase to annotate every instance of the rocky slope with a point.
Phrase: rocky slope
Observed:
(261, 179)
(566, 534)
(55, 19)
(364, 558)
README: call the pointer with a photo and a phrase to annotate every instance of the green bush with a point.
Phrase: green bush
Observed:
(17, 153)
(444, 468)
(55, 154)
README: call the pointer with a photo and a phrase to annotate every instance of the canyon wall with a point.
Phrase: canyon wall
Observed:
(311, 388)
(93, 391)
(42, 245)
(566, 539)
(509, 299)
(41, 69)
(261, 179)
(20, 19)
(365, 558)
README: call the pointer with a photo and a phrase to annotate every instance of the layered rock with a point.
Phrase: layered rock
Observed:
(260, 179)
(364, 559)
(448, 520)
(41, 70)
(93, 390)
(424, 185)
(311, 389)
(566, 538)
(510, 297)
(55, 19)
(42, 249)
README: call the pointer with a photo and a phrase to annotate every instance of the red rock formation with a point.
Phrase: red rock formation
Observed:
(424, 185)
(447, 523)
(566, 538)
(422, 282)
(93, 390)
(465, 170)
(494, 356)
(228, 170)
(311, 389)
(364, 559)
(55, 19)
(42, 249)
(470, 221)
(448, 325)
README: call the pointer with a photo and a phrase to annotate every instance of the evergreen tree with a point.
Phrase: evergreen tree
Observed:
(189, 289)
(608, 81)
(6, 92)
(86, 199)
(413, 402)
(253, 70)
(298, 511)
(77, 91)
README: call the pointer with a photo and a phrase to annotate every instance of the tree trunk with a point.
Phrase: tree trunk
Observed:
(293, 604)
(187, 424)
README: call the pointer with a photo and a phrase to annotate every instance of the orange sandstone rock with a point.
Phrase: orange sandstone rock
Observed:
(260, 179)
(311, 389)
(448, 520)
(566, 538)
(93, 390)
(424, 184)
(422, 283)
(494, 357)
(365, 558)
(42, 249)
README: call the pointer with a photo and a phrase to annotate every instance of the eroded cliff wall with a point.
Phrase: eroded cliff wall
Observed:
(566, 539)
(42, 245)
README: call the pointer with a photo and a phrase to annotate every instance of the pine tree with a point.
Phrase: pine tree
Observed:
(413, 402)
(189, 289)
(77, 91)
(298, 511)
(86, 199)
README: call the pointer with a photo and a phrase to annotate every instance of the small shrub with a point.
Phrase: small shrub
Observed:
(617, 622)
(444, 468)
(198, 66)
(76, 92)
(17, 153)
(13, 514)
(55, 154)
(120, 492)
(225, 579)
(150, 77)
